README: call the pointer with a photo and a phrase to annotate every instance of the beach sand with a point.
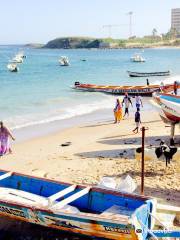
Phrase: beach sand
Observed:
(97, 150)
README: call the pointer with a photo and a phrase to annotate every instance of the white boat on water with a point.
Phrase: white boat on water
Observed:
(64, 61)
(137, 58)
(17, 59)
(12, 67)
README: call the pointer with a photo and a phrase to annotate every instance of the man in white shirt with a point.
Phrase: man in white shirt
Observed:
(126, 101)
(138, 100)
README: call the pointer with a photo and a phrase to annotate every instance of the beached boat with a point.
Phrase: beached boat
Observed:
(12, 67)
(64, 61)
(148, 74)
(119, 90)
(137, 58)
(91, 211)
(169, 105)
(85, 210)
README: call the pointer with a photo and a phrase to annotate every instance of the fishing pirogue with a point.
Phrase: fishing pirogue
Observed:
(85, 210)
(91, 211)
(148, 74)
(119, 90)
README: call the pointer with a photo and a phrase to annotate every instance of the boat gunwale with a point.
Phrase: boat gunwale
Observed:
(91, 216)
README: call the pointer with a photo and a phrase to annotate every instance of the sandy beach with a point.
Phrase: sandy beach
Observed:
(97, 150)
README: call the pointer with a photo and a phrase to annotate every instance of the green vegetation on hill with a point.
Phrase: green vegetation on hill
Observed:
(85, 42)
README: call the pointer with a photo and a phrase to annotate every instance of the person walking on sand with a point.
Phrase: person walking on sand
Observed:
(4, 139)
(117, 111)
(126, 101)
(138, 100)
(137, 121)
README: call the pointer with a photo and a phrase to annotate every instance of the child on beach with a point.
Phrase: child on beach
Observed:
(137, 121)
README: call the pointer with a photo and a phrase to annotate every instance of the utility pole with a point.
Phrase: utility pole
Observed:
(130, 23)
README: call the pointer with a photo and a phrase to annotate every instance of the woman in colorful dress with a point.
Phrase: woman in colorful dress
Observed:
(118, 112)
(4, 139)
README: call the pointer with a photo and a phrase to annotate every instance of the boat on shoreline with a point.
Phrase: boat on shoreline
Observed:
(91, 211)
(120, 90)
(169, 106)
(148, 74)
(79, 209)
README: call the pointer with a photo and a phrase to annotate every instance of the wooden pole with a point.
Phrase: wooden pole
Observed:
(142, 162)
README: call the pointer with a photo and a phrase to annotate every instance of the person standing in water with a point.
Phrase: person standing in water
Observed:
(126, 101)
(4, 139)
(117, 111)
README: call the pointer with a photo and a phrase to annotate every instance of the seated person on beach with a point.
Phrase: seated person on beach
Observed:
(126, 101)
(4, 139)
(137, 121)
(138, 100)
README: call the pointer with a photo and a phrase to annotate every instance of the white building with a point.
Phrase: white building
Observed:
(175, 19)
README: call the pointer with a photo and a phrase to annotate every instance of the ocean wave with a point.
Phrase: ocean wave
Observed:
(69, 112)
(168, 80)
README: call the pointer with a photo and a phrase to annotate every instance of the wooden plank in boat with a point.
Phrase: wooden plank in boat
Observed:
(72, 198)
(6, 175)
(62, 193)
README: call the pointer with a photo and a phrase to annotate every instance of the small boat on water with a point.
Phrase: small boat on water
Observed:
(137, 58)
(119, 90)
(85, 210)
(148, 74)
(64, 61)
(12, 67)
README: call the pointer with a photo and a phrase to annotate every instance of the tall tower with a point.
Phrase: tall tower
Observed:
(175, 19)
(130, 23)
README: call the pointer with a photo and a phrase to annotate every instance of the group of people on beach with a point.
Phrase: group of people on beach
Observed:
(118, 110)
(5, 134)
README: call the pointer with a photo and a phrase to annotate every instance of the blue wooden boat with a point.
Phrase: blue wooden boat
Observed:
(79, 209)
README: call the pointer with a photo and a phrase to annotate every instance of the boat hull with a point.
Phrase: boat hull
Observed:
(96, 225)
(170, 106)
(150, 74)
(121, 90)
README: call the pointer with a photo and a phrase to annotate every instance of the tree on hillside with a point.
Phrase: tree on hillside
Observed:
(154, 32)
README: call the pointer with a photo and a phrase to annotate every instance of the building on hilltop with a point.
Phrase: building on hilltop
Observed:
(175, 19)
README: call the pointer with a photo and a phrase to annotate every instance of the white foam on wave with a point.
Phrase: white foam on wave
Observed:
(68, 112)
(168, 80)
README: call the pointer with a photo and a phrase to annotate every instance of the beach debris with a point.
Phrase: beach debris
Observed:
(107, 182)
(127, 185)
(66, 144)
(130, 141)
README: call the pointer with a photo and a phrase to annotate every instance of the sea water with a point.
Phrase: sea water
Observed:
(41, 91)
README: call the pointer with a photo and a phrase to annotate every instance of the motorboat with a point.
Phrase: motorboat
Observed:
(12, 67)
(17, 59)
(120, 90)
(137, 58)
(64, 61)
(148, 74)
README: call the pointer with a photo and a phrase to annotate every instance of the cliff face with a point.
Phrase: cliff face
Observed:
(83, 42)
(73, 43)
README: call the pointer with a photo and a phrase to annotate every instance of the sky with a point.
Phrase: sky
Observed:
(38, 21)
